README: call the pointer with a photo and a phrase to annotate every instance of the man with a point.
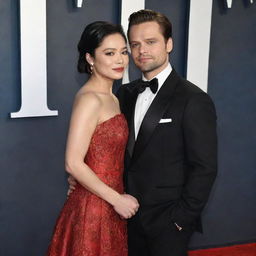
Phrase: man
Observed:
(171, 157)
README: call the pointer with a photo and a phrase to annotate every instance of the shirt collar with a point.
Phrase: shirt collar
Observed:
(162, 76)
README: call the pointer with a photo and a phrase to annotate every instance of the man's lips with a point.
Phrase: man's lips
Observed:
(144, 59)
(118, 69)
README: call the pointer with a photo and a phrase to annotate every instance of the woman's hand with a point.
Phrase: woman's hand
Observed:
(126, 206)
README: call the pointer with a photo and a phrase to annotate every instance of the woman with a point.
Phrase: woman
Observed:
(92, 222)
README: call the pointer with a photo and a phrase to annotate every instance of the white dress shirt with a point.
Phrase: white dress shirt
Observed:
(145, 98)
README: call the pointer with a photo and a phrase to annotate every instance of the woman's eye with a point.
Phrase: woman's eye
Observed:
(125, 52)
(109, 53)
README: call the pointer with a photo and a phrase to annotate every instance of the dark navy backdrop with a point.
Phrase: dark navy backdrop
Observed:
(33, 182)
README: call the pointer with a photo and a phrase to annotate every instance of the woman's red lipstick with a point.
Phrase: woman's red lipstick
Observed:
(118, 69)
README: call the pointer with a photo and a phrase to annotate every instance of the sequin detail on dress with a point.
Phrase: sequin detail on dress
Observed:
(88, 225)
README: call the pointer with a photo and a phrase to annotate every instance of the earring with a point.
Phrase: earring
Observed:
(91, 67)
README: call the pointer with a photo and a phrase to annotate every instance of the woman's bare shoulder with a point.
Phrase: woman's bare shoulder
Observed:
(88, 98)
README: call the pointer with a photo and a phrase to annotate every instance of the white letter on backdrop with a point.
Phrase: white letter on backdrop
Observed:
(128, 7)
(33, 60)
(200, 17)
(79, 3)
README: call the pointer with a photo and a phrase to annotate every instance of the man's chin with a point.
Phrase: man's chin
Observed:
(147, 69)
(144, 68)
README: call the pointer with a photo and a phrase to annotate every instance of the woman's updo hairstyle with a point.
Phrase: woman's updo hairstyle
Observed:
(91, 38)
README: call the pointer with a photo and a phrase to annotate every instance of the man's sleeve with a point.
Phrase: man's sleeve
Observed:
(200, 139)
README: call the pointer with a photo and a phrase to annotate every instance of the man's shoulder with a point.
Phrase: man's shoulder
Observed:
(127, 89)
(190, 89)
(130, 86)
(183, 85)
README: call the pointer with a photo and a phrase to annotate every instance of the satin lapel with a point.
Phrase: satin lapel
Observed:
(155, 113)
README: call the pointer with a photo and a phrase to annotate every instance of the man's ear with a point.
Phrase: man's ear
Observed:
(169, 45)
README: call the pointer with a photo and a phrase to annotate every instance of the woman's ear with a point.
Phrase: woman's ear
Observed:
(89, 58)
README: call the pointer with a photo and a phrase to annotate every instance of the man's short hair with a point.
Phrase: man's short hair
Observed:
(147, 15)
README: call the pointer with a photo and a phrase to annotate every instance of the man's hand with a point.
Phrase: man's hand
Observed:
(72, 184)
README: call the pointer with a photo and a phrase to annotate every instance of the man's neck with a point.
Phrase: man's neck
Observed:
(150, 75)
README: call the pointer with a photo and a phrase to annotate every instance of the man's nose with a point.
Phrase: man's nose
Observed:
(142, 49)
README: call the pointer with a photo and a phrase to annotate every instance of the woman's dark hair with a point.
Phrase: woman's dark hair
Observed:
(147, 15)
(91, 38)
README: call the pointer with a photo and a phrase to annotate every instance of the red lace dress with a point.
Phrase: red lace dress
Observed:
(88, 225)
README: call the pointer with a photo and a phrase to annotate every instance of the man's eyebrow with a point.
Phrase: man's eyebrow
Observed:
(150, 38)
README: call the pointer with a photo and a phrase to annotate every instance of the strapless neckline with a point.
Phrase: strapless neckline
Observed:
(109, 119)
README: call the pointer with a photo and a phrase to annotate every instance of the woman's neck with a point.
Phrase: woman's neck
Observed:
(101, 84)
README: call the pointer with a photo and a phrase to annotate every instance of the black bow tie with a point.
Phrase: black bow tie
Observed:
(153, 85)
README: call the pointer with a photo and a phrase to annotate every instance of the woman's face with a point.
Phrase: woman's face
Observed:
(111, 57)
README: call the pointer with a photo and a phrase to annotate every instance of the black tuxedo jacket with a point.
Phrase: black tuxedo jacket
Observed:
(171, 167)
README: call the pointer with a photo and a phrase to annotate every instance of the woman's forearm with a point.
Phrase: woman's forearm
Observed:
(89, 180)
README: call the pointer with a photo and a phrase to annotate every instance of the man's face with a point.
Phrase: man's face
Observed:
(149, 49)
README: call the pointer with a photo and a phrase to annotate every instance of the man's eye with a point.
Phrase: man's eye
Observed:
(125, 52)
(151, 42)
(134, 45)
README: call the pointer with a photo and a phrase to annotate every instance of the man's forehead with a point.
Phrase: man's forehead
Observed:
(145, 30)
(145, 25)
